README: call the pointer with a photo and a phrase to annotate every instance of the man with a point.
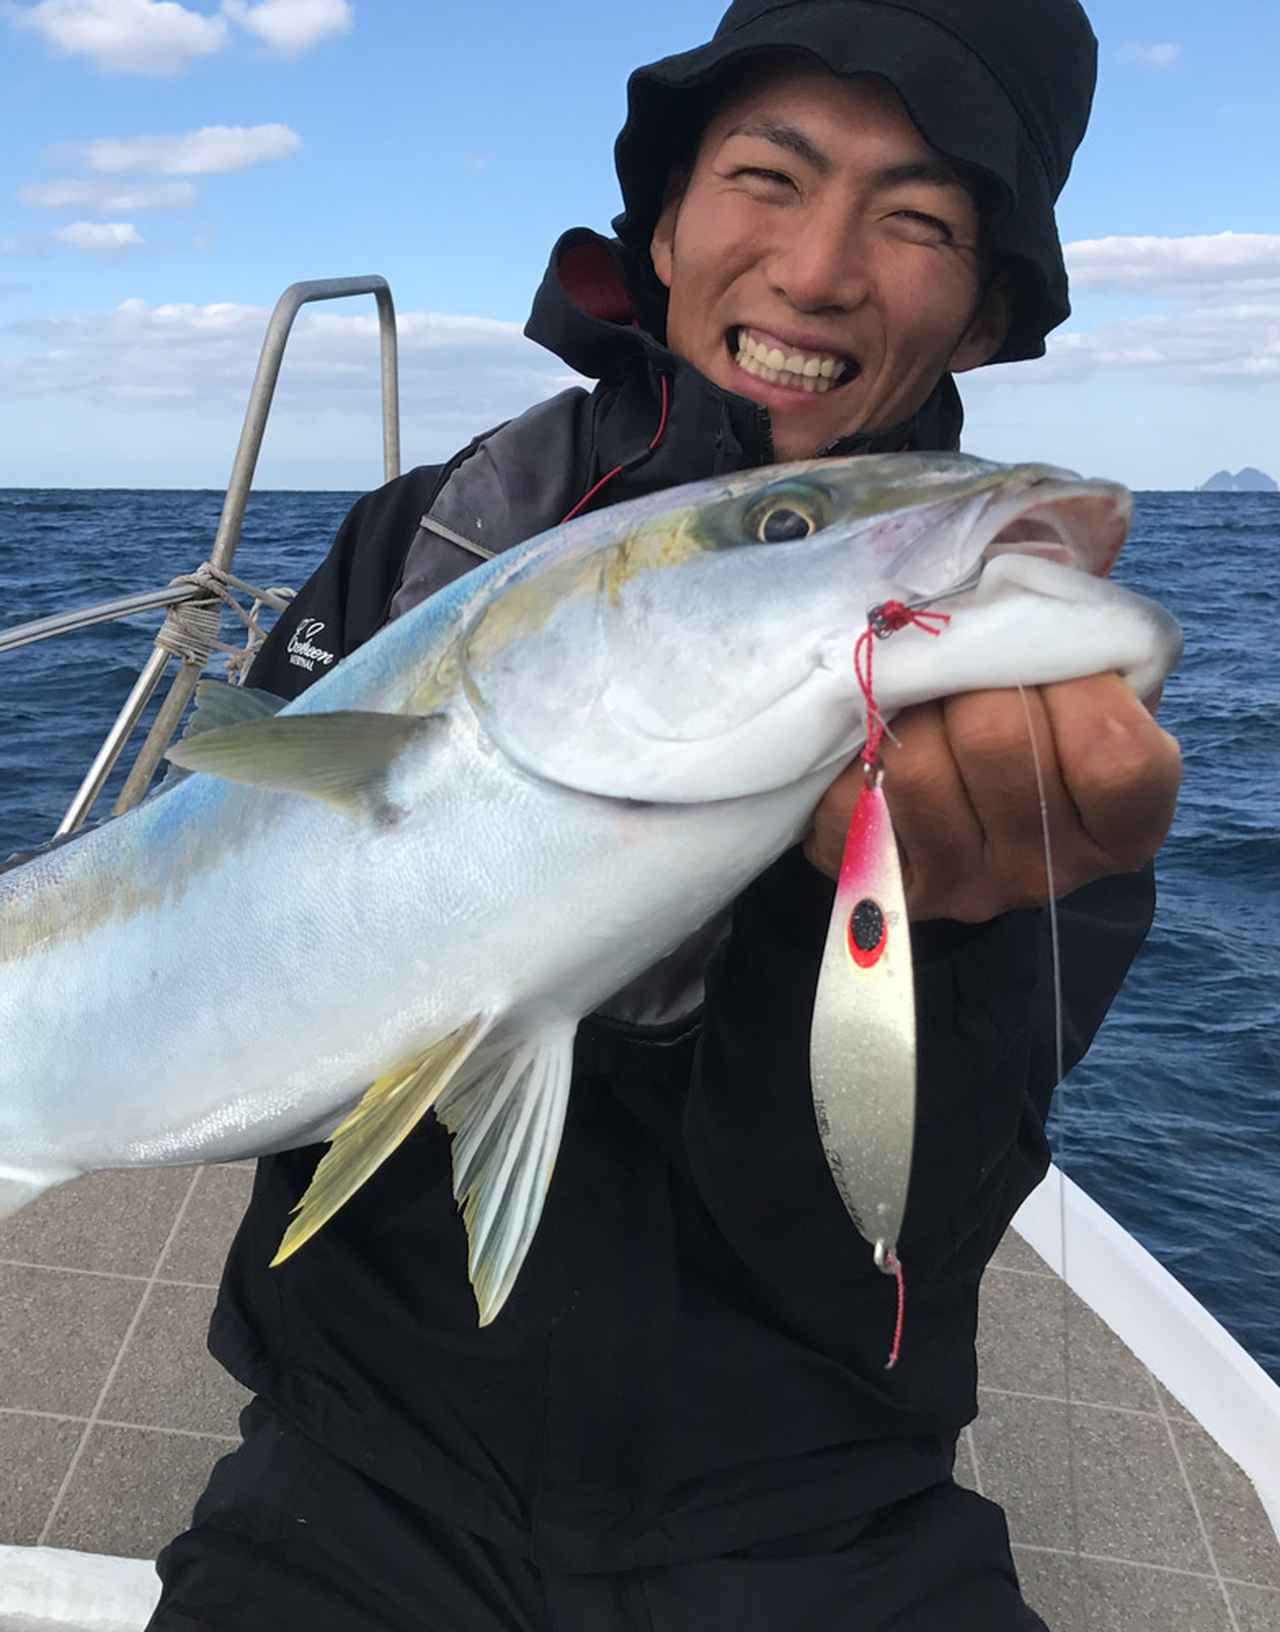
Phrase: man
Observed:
(682, 1416)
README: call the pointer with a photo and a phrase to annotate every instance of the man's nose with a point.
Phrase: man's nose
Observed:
(823, 266)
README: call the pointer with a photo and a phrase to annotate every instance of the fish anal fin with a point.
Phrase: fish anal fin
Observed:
(506, 1119)
(344, 757)
(389, 1111)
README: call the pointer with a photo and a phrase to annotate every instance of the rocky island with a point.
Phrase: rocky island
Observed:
(1247, 480)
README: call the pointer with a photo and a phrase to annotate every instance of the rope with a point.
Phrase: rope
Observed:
(191, 629)
(895, 1348)
(882, 621)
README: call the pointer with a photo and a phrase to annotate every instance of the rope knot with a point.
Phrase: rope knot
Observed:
(191, 630)
(883, 620)
(889, 616)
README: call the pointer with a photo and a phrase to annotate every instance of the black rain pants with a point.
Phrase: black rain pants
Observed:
(288, 1539)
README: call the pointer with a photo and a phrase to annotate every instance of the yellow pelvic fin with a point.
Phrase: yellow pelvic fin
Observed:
(385, 1116)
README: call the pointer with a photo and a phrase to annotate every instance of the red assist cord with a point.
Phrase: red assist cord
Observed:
(895, 1348)
(882, 621)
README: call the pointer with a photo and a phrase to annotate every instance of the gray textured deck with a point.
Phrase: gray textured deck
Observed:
(112, 1413)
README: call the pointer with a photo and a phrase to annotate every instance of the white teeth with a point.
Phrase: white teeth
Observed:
(771, 363)
(810, 374)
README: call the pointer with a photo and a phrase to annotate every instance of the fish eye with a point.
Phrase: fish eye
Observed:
(780, 524)
(787, 516)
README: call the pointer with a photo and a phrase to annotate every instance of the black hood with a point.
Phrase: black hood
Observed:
(585, 312)
(1005, 87)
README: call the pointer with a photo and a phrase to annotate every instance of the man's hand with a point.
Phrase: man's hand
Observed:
(962, 792)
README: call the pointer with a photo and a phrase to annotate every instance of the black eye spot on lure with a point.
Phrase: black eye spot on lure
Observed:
(868, 932)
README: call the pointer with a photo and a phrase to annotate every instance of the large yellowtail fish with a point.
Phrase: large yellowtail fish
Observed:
(402, 891)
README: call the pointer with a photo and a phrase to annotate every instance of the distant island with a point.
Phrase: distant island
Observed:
(1247, 480)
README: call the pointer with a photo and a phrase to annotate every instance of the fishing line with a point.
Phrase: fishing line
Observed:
(1059, 1052)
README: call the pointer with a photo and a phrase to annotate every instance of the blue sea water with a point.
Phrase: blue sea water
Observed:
(1173, 1121)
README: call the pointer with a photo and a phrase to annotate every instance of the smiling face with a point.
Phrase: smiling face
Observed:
(823, 260)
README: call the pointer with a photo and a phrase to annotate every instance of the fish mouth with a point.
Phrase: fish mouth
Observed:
(1081, 525)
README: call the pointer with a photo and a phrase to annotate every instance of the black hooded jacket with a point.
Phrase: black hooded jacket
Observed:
(692, 1360)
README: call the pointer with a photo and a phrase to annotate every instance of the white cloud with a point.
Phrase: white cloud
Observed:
(1245, 260)
(108, 198)
(458, 375)
(1213, 317)
(1163, 55)
(1239, 340)
(1212, 341)
(126, 36)
(100, 237)
(291, 26)
(212, 150)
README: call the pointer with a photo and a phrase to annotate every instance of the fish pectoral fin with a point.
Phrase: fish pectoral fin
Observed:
(506, 1116)
(344, 758)
(389, 1111)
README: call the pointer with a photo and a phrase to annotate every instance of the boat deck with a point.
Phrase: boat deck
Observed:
(112, 1414)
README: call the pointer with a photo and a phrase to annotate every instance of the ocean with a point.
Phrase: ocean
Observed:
(1173, 1121)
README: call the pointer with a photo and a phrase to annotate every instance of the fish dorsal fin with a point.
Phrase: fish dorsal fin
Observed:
(384, 1118)
(506, 1120)
(344, 758)
(219, 704)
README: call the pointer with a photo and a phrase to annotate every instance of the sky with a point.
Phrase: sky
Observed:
(170, 166)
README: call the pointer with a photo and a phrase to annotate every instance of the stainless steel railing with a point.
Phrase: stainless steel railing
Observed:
(191, 655)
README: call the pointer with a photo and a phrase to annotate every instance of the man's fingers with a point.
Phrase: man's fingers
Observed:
(1120, 768)
(938, 832)
(966, 802)
(998, 737)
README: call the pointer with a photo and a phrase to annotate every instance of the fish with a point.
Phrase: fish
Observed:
(400, 892)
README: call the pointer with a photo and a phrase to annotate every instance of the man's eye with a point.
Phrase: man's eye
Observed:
(774, 176)
(930, 223)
